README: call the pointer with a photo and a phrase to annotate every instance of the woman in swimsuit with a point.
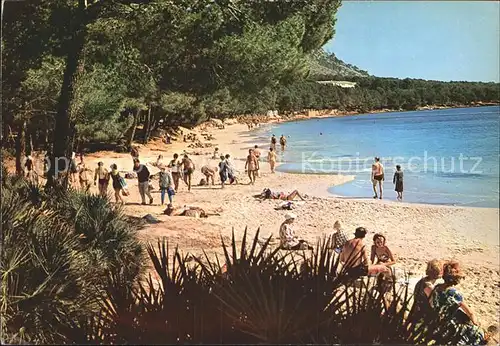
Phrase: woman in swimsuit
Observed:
(384, 257)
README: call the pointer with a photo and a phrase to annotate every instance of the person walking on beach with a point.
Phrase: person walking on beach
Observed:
(257, 154)
(231, 172)
(223, 170)
(119, 184)
(143, 181)
(188, 168)
(377, 177)
(175, 171)
(273, 142)
(283, 142)
(101, 175)
(251, 166)
(398, 181)
(165, 182)
(83, 176)
(271, 158)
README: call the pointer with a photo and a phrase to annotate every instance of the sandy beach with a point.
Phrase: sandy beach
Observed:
(415, 233)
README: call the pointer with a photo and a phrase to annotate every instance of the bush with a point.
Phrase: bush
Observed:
(57, 249)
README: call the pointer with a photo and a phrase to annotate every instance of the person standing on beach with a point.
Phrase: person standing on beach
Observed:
(251, 166)
(175, 171)
(273, 142)
(188, 168)
(377, 177)
(101, 175)
(398, 181)
(143, 181)
(271, 158)
(257, 154)
(283, 142)
(83, 176)
(231, 172)
(223, 170)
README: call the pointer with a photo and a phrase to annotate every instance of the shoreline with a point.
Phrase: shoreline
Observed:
(334, 113)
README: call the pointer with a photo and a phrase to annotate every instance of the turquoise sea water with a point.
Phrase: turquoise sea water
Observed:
(448, 156)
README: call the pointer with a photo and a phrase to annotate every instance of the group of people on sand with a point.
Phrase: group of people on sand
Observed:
(377, 179)
(434, 294)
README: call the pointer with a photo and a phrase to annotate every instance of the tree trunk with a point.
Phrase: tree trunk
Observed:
(132, 128)
(20, 148)
(29, 142)
(147, 123)
(63, 133)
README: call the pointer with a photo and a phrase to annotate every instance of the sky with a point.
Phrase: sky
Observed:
(437, 40)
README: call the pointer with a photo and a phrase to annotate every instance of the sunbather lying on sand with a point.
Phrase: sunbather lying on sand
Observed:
(268, 194)
(196, 212)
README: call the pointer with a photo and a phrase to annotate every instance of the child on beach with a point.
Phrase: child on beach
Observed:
(166, 181)
(398, 181)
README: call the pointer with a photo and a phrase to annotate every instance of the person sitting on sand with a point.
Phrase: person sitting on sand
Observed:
(268, 194)
(271, 158)
(397, 180)
(338, 238)
(209, 173)
(288, 240)
(383, 256)
(195, 212)
(188, 167)
(216, 153)
(353, 255)
(423, 290)
(251, 166)
(449, 303)
(377, 177)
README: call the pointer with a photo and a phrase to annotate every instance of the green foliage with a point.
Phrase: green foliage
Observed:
(264, 296)
(56, 250)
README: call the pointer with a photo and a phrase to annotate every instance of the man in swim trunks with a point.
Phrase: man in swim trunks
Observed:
(353, 256)
(377, 177)
(252, 166)
(188, 168)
